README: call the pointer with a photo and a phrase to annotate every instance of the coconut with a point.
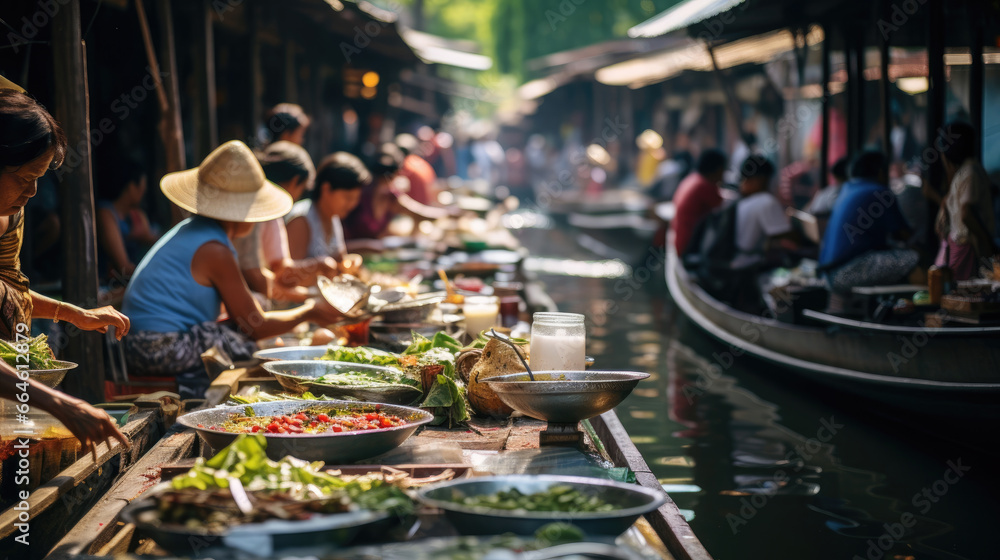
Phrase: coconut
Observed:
(497, 359)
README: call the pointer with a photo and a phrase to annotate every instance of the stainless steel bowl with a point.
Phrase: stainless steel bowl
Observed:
(632, 499)
(54, 376)
(291, 353)
(565, 396)
(329, 447)
(299, 376)
(413, 311)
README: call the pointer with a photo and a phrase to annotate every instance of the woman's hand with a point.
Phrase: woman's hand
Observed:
(322, 313)
(98, 319)
(90, 425)
(351, 264)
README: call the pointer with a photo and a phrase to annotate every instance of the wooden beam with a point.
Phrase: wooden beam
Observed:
(885, 93)
(256, 108)
(174, 133)
(976, 75)
(291, 74)
(937, 87)
(824, 156)
(206, 118)
(861, 126)
(76, 193)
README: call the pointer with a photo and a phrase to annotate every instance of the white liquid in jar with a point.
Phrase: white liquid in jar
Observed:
(557, 352)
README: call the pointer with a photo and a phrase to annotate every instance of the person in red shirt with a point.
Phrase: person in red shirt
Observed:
(697, 195)
(421, 174)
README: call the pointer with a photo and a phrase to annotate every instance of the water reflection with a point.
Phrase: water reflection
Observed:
(768, 467)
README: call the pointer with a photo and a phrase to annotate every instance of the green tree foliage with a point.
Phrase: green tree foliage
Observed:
(515, 31)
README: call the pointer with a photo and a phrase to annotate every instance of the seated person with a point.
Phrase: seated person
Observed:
(264, 255)
(423, 179)
(822, 203)
(696, 197)
(965, 222)
(761, 223)
(385, 198)
(855, 250)
(175, 294)
(310, 224)
(123, 230)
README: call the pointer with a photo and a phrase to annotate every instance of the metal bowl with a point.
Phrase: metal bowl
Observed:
(565, 396)
(396, 337)
(413, 311)
(258, 539)
(51, 377)
(330, 447)
(298, 376)
(634, 500)
(291, 353)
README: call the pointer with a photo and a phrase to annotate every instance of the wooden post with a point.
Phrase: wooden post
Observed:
(176, 158)
(885, 93)
(76, 193)
(206, 119)
(256, 110)
(824, 157)
(976, 77)
(852, 85)
(859, 91)
(291, 74)
(936, 102)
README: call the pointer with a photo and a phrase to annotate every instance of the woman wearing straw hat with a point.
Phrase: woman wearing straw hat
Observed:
(175, 295)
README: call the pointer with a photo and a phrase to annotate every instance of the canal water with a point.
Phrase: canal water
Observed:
(763, 465)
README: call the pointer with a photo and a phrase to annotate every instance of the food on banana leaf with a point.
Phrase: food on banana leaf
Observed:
(497, 359)
(286, 489)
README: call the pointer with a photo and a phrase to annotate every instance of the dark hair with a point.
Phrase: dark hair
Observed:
(957, 141)
(868, 165)
(27, 131)
(286, 117)
(115, 175)
(283, 161)
(711, 160)
(387, 160)
(839, 169)
(342, 171)
(757, 166)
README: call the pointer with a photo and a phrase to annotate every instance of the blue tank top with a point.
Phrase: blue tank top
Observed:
(162, 295)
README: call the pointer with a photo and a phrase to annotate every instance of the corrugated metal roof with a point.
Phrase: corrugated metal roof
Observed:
(682, 15)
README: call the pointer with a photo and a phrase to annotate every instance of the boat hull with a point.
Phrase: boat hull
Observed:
(928, 370)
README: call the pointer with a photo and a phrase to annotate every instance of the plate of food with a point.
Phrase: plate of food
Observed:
(523, 504)
(242, 500)
(337, 432)
(346, 380)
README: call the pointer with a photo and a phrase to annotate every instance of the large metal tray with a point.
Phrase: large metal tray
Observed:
(634, 500)
(331, 447)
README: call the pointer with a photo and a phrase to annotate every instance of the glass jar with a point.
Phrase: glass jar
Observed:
(558, 342)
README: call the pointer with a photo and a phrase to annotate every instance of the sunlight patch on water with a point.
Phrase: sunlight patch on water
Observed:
(680, 488)
(675, 461)
(647, 393)
(643, 440)
(642, 414)
(612, 269)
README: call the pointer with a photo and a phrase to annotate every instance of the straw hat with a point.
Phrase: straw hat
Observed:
(229, 185)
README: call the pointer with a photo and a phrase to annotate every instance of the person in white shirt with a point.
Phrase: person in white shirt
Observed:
(761, 222)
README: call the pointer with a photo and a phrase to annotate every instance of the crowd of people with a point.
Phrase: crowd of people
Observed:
(262, 227)
(866, 239)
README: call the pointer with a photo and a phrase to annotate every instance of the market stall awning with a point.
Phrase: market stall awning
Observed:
(439, 50)
(694, 55)
(682, 15)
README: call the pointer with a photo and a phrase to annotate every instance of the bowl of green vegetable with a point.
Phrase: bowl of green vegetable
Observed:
(36, 354)
(522, 504)
(346, 380)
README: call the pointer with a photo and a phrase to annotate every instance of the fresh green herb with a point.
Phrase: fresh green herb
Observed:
(556, 498)
(246, 460)
(361, 355)
(39, 354)
(485, 337)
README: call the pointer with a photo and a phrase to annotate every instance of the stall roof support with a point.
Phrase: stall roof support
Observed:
(76, 192)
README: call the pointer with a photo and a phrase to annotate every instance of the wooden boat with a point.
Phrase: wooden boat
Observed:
(664, 532)
(940, 372)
